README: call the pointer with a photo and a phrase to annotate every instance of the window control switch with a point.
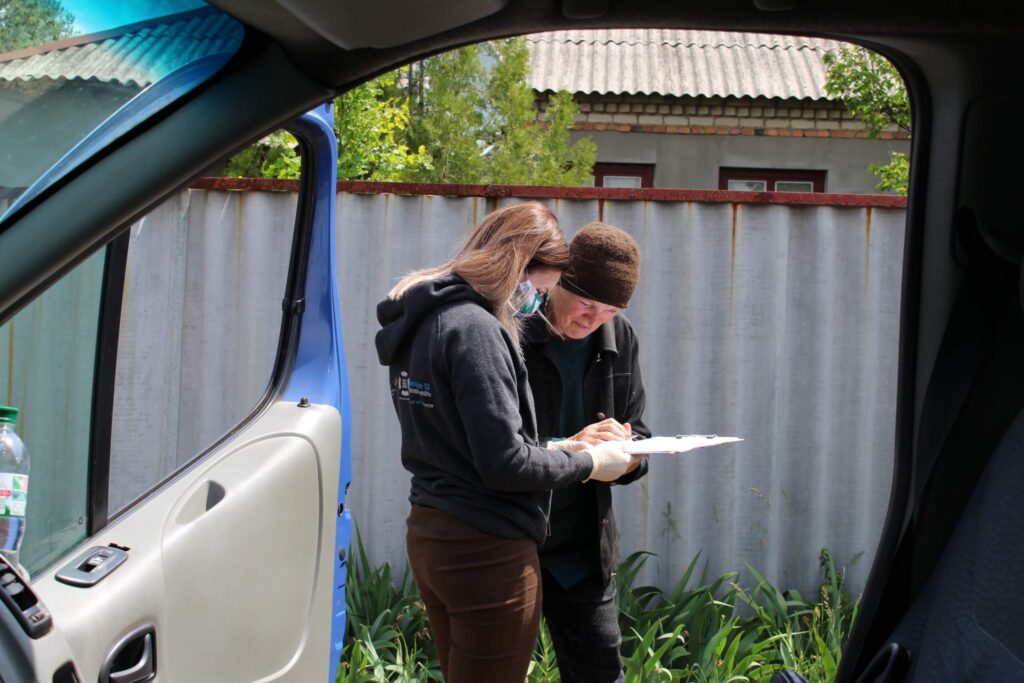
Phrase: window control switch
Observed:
(17, 596)
(92, 566)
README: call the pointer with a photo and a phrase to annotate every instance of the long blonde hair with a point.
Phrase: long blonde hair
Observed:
(496, 253)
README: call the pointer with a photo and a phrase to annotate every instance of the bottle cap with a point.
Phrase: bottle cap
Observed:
(8, 415)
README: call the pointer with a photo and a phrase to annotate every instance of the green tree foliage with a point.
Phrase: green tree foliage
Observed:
(476, 116)
(370, 123)
(274, 156)
(519, 150)
(465, 116)
(24, 23)
(448, 115)
(895, 175)
(872, 90)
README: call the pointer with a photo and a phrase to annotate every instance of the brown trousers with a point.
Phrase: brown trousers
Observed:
(482, 594)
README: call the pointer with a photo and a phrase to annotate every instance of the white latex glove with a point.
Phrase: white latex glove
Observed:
(610, 460)
(567, 444)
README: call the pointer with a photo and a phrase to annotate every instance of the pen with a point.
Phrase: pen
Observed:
(634, 437)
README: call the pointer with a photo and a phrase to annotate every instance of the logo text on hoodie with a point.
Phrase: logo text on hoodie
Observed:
(414, 392)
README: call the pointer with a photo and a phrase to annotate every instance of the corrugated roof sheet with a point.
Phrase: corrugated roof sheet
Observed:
(139, 55)
(680, 63)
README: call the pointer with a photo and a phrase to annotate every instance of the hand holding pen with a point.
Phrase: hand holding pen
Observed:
(606, 429)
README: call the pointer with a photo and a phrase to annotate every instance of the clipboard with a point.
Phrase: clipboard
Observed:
(682, 443)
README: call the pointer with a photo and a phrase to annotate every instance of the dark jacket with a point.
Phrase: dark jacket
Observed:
(612, 386)
(460, 389)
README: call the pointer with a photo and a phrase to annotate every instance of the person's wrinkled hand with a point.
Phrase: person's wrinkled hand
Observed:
(605, 430)
(611, 460)
(568, 445)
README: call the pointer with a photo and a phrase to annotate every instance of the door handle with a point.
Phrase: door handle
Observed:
(889, 665)
(133, 659)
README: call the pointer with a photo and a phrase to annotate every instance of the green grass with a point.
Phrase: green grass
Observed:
(707, 630)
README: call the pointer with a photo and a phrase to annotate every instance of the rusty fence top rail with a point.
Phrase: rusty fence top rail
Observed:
(577, 193)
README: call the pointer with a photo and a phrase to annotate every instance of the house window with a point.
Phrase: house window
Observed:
(770, 180)
(623, 175)
(748, 185)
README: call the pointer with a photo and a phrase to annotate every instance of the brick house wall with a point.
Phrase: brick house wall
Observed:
(754, 116)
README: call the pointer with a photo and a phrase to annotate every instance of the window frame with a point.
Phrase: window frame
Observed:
(99, 515)
(770, 176)
(643, 171)
(104, 374)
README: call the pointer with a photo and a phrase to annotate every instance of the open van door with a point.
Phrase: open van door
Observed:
(232, 566)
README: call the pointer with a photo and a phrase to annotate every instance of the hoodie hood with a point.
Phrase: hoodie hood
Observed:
(399, 318)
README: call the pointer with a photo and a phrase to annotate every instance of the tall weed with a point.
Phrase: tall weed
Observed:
(706, 630)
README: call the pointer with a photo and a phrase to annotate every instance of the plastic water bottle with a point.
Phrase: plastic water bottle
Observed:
(13, 485)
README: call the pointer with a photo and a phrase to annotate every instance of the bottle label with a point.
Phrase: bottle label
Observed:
(13, 494)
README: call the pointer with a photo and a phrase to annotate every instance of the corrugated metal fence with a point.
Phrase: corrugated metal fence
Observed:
(774, 322)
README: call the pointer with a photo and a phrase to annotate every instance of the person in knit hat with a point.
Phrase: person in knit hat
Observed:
(582, 361)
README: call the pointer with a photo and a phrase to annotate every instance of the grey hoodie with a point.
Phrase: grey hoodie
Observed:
(469, 434)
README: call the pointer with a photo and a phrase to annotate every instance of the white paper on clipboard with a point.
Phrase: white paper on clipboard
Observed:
(678, 444)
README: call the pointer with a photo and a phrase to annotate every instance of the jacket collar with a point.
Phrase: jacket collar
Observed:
(605, 337)
(536, 331)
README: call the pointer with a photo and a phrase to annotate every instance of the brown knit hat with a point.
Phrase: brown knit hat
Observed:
(604, 265)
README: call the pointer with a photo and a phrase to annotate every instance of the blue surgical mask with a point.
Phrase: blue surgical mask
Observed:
(530, 299)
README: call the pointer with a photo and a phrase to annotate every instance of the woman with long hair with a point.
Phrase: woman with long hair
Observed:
(481, 483)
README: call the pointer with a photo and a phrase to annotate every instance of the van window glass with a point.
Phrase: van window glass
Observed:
(49, 354)
(76, 75)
